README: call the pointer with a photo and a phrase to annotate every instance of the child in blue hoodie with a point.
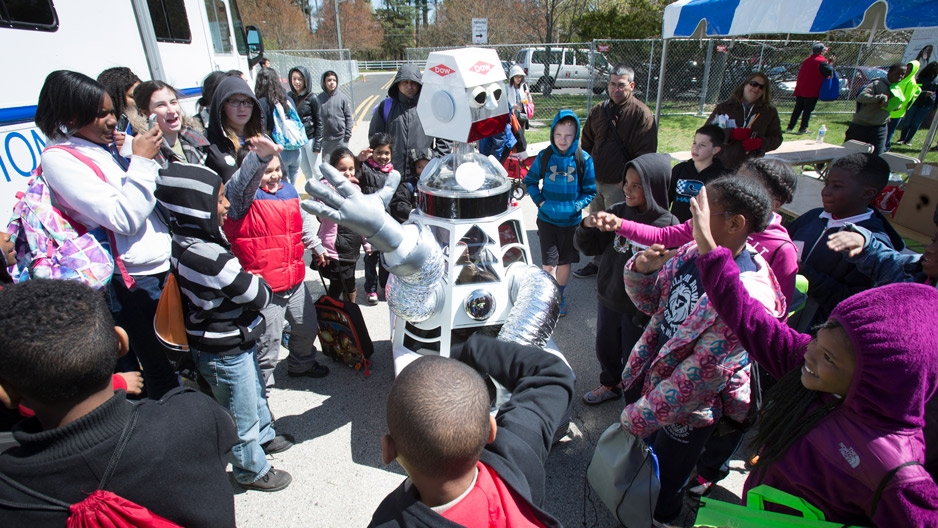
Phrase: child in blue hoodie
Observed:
(562, 183)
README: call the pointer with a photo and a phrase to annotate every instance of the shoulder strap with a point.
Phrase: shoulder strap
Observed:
(614, 129)
(53, 504)
(387, 109)
(121, 444)
(129, 281)
(885, 481)
(577, 158)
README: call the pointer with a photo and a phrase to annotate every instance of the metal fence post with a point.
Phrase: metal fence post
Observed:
(706, 79)
(651, 61)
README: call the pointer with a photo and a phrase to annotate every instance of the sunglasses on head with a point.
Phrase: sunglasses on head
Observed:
(756, 84)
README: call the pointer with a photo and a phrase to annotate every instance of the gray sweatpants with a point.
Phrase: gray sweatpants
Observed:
(298, 307)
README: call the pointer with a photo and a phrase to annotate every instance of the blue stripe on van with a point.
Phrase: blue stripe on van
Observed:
(27, 114)
(17, 114)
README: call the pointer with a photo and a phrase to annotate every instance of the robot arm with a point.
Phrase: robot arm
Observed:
(344, 204)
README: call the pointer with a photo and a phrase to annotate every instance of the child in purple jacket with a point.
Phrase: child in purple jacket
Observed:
(845, 420)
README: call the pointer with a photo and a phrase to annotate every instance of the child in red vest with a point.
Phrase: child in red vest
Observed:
(269, 233)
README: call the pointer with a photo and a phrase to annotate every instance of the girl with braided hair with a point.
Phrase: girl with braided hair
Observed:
(696, 373)
(842, 429)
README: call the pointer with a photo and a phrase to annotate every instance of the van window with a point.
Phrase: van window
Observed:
(540, 56)
(238, 28)
(170, 21)
(37, 15)
(600, 62)
(218, 25)
(519, 58)
(569, 58)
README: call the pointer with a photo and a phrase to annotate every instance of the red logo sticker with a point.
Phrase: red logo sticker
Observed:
(481, 67)
(441, 70)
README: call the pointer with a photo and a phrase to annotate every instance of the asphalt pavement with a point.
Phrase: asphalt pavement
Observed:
(338, 476)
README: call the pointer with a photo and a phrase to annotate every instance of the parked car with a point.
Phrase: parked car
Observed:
(859, 76)
(783, 82)
(563, 68)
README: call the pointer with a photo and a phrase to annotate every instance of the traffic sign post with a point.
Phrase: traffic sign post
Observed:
(480, 31)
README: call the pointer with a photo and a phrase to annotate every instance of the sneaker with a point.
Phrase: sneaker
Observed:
(790, 131)
(373, 298)
(279, 444)
(601, 394)
(316, 371)
(274, 480)
(803, 131)
(701, 487)
(586, 271)
(563, 307)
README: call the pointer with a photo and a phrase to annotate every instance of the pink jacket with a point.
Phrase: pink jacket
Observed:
(702, 372)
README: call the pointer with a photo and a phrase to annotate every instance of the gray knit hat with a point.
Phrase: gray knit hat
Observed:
(818, 48)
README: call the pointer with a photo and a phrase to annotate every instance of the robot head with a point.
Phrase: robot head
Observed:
(463, 96)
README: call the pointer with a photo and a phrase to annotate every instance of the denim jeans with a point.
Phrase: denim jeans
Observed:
(291, 164)
(235, 381)
(376, 277)
(873, 134)
(309, 162)
(914, 117)
(133, 310)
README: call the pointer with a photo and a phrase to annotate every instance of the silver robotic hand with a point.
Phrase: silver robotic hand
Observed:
(363, 213)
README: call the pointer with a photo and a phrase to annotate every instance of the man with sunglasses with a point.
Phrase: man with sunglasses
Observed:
(616, 131)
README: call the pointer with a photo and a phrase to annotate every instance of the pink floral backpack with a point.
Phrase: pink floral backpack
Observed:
(51, 245)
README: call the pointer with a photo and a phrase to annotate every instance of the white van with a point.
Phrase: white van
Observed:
(569, 68)
(176, 41)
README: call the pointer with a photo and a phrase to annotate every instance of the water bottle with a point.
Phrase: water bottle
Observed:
(820, 134)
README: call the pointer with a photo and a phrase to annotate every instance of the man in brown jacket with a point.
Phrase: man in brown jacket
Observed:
(617, 131)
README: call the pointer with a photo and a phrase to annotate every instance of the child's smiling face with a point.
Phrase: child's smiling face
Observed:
(634, 192)
(382, 155)
(829, 362)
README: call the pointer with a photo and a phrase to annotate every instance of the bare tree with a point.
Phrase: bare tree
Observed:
(282, 22)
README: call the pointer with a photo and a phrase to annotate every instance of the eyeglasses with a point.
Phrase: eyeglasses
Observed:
(240, 103)
(755, 84)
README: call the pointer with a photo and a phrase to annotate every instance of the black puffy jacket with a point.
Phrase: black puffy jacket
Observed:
(307, 106)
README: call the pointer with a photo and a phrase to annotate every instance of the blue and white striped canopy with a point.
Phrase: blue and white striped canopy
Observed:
(699, 18)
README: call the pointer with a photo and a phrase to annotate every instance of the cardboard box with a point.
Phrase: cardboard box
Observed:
(917, 207)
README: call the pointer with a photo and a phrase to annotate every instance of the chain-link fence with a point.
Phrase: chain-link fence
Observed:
(318, 62)
(698, 73)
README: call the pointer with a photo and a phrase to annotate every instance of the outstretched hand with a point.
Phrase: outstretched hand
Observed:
(700, 211)
(652, 259)
(847, 242)
(263, 146)
(346, 205)
(606, 221)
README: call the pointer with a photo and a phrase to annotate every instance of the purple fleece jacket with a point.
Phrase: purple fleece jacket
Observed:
(838, 465)
(773, 244)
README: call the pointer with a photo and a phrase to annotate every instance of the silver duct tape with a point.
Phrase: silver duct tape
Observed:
(536, 307)
(418, 296)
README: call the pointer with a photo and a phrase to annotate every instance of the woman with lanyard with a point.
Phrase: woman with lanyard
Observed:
(97, 187)
(751, 122)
